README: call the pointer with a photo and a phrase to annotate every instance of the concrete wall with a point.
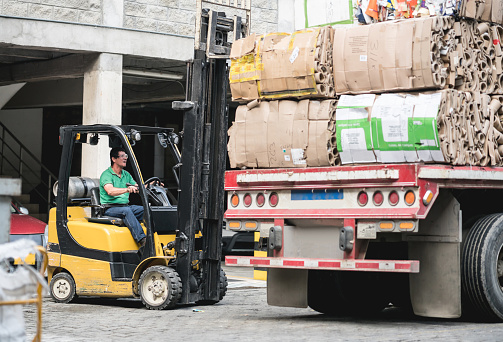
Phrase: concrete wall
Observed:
(179, 16)
(163, 16)
(75, 11)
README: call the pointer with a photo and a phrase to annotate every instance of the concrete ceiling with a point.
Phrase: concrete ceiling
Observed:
(55, 77)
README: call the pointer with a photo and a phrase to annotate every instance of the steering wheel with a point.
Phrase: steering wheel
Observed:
(151, 179)
(151, 194)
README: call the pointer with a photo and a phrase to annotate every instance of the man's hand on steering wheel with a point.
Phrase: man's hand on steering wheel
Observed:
(153, 181)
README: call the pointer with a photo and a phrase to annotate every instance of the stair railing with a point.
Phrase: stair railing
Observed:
(15, 156)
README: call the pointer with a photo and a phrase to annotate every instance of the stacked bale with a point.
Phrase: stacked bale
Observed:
(283, 133)
(457, 118)
(448, 126)
(488, 10)
(444, 59)
(480, 56)
(395, 55)
(322, 143)
(281, 65)
(268, 132)
(470, 129)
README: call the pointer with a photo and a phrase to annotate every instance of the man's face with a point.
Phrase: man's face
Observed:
(122, 160)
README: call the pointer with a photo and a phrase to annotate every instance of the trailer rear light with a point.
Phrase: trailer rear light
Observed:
(234, 225)
(393, 198)
(247, 200)
(250, 225)
(428, 196)
(407, 226)
(386, 226)
(410, 197)
(273, 199)
(363, 198)
(234, 200)
(260, 200)
(378, 198)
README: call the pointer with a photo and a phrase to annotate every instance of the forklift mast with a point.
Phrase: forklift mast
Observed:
(205, 124)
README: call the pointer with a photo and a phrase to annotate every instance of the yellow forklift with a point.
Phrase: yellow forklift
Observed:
(94, 255)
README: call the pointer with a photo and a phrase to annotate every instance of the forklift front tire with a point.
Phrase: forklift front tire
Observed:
(62, 287)
(160, 287)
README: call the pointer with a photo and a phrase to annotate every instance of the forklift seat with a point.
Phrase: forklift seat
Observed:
(97, 211)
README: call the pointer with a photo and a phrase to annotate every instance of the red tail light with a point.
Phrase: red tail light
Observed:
(393, 198)
(247, 200)
(363, 198)
(273, 199)
(378, 198)
(260, 199)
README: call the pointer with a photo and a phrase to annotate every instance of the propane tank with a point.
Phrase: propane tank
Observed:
(78, 187)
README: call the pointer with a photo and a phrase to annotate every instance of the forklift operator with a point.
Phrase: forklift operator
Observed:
(115, 186)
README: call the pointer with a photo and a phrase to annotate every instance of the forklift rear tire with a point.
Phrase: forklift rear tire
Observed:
(62, 287)
(482, 269)
(160, 287)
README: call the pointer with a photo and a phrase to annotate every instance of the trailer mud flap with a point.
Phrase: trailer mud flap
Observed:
(436, 290)
(287, 287)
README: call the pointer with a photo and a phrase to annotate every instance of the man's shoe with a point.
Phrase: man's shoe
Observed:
(142, 242)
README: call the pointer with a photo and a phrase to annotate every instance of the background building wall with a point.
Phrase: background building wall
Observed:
(76, 11)
(163, 16)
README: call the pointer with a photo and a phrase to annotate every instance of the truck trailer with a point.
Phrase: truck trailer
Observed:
(357, 238)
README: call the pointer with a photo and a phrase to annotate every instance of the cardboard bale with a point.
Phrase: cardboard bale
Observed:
(447, 126)
(479, 57)
(393, 129)
(354, 140)
(280, 65)
(245, 68)
(390, 128)
(488, 10)
(394, 55)
(283, 134)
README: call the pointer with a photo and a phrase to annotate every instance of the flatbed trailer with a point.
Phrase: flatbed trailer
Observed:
(356, 238)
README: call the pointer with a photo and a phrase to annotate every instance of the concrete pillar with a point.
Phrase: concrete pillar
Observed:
(8, 187)
(102, 105)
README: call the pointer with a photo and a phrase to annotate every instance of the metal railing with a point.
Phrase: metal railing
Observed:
(17, 161)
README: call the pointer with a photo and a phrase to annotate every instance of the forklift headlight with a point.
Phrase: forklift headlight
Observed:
(135, 135)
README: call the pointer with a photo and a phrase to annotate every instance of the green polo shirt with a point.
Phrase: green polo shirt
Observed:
(110, 177)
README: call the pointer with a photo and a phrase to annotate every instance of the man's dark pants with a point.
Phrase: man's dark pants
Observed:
(131, 215)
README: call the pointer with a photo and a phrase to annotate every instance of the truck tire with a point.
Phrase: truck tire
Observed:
(345, 292)
(482, 269)
(160, 287)
(62, 287)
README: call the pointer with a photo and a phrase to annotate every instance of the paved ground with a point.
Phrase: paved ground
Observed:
(242, 315)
